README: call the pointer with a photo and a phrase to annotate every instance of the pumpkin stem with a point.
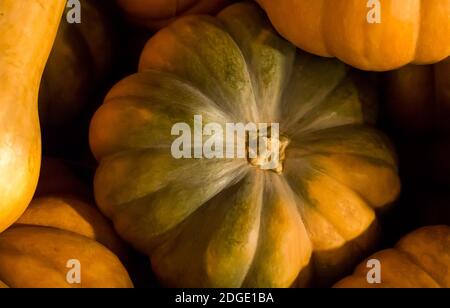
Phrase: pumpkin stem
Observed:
(266, 149)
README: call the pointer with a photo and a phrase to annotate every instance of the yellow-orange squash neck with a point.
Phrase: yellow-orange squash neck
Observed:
(27, 31)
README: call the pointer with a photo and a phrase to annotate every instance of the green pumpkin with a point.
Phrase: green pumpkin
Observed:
(226, 222)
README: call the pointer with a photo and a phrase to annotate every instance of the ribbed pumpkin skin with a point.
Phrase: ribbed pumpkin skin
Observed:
(418, 97)
(411, 31)
(27, 32)
(82, 53)
(224, 223)
(34, 252)
(419, 260)
(156, 14)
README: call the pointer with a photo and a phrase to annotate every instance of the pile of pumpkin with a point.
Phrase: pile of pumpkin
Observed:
(366, 107)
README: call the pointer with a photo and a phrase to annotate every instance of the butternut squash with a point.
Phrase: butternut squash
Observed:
(27, 32)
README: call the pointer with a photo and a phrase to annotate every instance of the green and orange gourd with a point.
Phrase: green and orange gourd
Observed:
(226, 222)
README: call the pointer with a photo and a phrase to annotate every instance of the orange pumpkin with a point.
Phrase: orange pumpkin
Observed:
(53, 230)
(409, 31)
(421, 259)
(156, 14)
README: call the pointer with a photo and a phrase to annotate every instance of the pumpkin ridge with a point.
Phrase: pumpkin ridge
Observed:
(323, 215)
(314, 107)
(405, 256)
(154, 103)
(40, 257)
(248, 71)
(325, 174)
(234, 166)
(419, 259)
(313, 138)
(417, 264)
(318, 97)
(250, 76)
(298, 197)
(14, 252)
(326, 40)
(124, 207)
(348, 235)
(360, 191)
(285, 188)
(318, 108)
(260, 206)
(209, 237)
(224, 94)
(85, 220)
(16, 242)
(183, 82)
(312, 207)
(377, 161)
(423, 44)
(227, 18)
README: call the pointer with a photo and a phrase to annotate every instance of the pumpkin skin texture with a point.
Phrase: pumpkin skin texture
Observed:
(411, 31)
(27, 31)
(82, 53)
(419, 260)
(223, 222)
(418, 98)
(53, 230)
(156, 14)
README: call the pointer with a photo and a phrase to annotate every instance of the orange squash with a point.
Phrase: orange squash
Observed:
(226, 222)
(80, 59)
(27, 31)
(410, 31)
(418, 98)
(53, 230)
(156, 14)
(421, 259)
